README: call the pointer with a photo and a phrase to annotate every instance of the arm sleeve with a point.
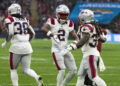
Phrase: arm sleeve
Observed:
(7, 21)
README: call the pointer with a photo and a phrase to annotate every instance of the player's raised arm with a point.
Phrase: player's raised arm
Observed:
(10, 31)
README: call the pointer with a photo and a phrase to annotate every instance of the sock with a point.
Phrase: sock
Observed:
(68, 77)
(60, 77)
(99, 81)
(31, 73)
(14, 77)
(80, 81)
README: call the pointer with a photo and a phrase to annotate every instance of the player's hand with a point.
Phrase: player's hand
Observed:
(102, 66)
(69, 47)
(4, 44)
(103, 37)
(55, 37)
(64, 51)
(72, 46)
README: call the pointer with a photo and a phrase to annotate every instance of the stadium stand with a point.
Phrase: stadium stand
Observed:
(46, 9)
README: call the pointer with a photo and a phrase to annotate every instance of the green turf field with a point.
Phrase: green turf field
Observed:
(42, 63)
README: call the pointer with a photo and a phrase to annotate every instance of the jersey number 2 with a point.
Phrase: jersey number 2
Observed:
(61, 35)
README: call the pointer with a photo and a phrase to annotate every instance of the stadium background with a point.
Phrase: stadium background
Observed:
(38, 11)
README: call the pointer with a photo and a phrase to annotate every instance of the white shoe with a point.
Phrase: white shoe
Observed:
(39, 81)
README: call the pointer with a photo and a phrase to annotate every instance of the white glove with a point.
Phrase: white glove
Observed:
(72, 46)
(101, 65)
(64, 51)
(55, 37)
(103, 36)
(4, 44)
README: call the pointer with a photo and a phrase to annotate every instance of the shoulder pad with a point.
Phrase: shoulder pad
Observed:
(104, 31)
(71, 23)
(11, 18)
(86, 28)
(52, 20)
(27, 19)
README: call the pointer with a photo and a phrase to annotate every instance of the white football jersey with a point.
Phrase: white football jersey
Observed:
(20, 41)
(90, 48)
(62, 30)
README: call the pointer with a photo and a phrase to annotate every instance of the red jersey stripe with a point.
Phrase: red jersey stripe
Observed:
(70, 23)
(90, 28)
(11, 19)
(54, 57)
(52, 20)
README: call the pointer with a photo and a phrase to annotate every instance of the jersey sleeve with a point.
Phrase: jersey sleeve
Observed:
(27, 19)
(7, 20)
(71, 26)
(104, 31)
(87, 29)
(48, 22)
(51, 21)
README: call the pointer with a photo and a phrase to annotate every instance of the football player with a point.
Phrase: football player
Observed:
(20, 33)
(59, 29)
(90, 34)
(102, 68)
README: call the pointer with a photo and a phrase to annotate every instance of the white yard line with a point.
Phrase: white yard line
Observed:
(54, 84)
(33, 58)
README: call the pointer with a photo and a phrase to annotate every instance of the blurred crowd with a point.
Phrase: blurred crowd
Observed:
(46, 9)
(4, 4)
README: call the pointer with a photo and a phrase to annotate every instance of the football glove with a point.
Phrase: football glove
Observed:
(103, 37)
(72, 46)
(4, 44)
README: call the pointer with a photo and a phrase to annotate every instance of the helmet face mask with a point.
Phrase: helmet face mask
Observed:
(62, 13)
(86, 16)
(63, 16)
(14, 9)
